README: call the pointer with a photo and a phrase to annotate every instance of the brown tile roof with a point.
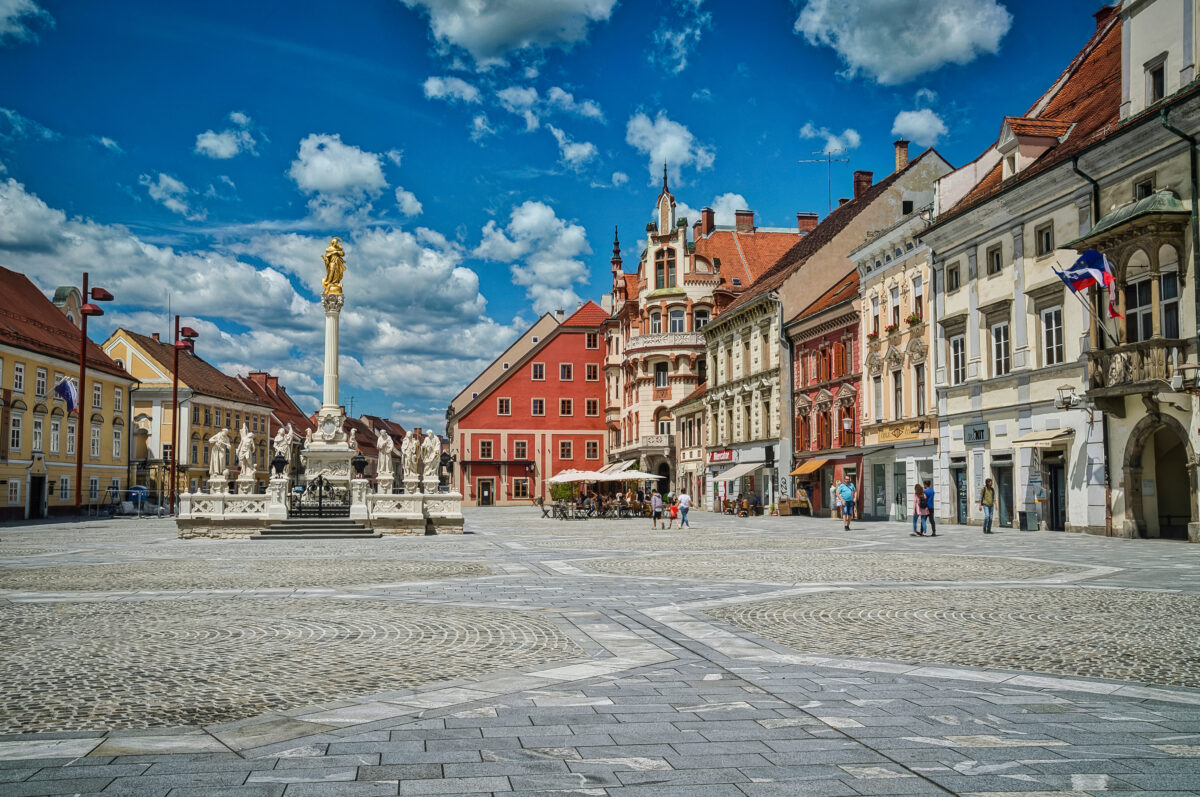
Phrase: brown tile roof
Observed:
(364, 438)
(1087, 94)
(745, 255)
(196, 373)
(1022, 126)
(821, 235)
(394, 429)
(845, 289)
(590, 315)
(631, 286)
(30, 321)
(268, 389)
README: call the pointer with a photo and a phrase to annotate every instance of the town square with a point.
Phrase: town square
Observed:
(377, 416)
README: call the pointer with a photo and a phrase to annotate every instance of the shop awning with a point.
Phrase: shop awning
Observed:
(808, 467)
(737, 471)
(1048, 438)
(617, 467)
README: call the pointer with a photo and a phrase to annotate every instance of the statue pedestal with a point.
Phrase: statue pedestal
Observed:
(358, 498)
(394, 514)
(328, 454)
(383, 485)
(411, 486)
(277, 495)
(218, 485)
(444, 511)
(245, 483)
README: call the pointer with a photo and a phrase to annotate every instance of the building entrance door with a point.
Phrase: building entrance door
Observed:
(486, 487)
(1004, 496)
(1056, 477)
(900, 491)
(37, 496)
(959, 477)
(879, 487)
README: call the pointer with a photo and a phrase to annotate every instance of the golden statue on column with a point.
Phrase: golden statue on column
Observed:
(335, 267)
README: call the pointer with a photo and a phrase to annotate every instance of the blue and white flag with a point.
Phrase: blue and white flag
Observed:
(67, 391)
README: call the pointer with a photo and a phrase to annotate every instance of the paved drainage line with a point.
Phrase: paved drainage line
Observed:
(693, 647)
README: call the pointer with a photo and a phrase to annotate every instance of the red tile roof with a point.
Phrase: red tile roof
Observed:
(30, 321)
(745, 255)
(196, 373)
(268, 389)
(820, 235)
(590, 315)
(1022, 126)
(1087, 94)
(394, 429)
(631, 286)
(844, 290)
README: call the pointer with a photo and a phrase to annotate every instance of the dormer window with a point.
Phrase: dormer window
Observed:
(1024, 139)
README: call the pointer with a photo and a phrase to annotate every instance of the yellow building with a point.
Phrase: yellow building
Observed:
(208, 401)
(39, 347)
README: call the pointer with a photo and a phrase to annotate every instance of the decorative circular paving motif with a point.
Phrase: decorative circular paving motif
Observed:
(826, 567)
(151, 664)
(233, 573)
(1145, 637)
(670, 541)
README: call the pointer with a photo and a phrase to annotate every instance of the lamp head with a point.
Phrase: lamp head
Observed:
(101, 295)
(189, 333)
(91, 310)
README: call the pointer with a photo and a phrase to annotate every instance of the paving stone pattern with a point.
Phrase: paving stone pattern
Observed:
(762, 656)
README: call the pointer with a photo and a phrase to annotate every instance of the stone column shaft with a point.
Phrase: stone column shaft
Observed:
(333, 309)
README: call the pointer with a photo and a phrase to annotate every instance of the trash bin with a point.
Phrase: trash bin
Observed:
(1023, 521)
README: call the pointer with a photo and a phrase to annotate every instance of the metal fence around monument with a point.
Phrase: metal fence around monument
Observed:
(321, 498)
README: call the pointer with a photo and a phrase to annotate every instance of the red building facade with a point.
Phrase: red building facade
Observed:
(827, 374)
(543, 415)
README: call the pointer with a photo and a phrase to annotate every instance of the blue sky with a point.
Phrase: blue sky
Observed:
(475, 155)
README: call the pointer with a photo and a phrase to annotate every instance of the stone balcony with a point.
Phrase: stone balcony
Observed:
(649, 444)
(665, 340)
(1143, 367)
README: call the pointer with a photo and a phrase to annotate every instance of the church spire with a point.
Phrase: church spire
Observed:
(616, 258)
(665, 189)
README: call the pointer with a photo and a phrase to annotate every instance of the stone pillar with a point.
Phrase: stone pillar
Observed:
(332, 302)
(358, 498)
(277, 495)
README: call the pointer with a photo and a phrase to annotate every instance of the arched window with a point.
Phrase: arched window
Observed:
(664, 269)
(655, 323)
(677, 321)
(700, 319)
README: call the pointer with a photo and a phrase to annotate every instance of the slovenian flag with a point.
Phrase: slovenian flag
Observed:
(67, 391)
(1092, 269)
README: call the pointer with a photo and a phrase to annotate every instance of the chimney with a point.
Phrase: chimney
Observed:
(901, 153)
(154, 335)
(273, 383)
(696, 234)
(744, 220)
(862, 181)
(806, 222)
(1103, 15)
(708, 220)
(560, 314)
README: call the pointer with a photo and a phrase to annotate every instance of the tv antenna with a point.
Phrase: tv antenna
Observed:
(828, 160)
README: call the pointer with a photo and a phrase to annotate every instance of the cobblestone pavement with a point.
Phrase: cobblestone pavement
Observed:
(765, 656)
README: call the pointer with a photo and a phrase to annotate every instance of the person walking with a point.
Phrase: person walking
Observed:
(685, 503)
(929, 504)
(845, 494)
(655, 510)
(920, 510)
(672, 513)
(987, 503)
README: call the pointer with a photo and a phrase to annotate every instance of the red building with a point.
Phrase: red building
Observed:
(827, 375)
(543, 414)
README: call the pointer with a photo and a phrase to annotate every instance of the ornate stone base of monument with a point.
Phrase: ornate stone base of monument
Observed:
(358, 499)
(218, 485)
(277, 497)
(444, 512)
(327, 451)
(397, 514)
(245, 483)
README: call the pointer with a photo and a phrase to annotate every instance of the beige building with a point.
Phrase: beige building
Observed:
(899, 426)
(39, 347)
(690, 424)
(655, 348)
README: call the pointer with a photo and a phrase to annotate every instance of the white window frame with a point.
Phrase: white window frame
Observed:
(898, 400)
(533, 408)
(1053, 348)
(71, 439)
(18, 377)
(919, 388)
(591, 449)
(520, 449)
(39, 383)
(958, 359)
(95, 441)
(655, 323)
(1001, 349)
(118, 400)
(64, 488)
(55, 431)
(490, 447)
(663, 426)
(918, 302)
(93, 488)
(700, 319)
(665, 370)
(117, 443)
(15, 433)
(592, 340)
(97, 396)
(14, 492)
(677, 318)
(37, 428)
(566, 450)
(504, 406)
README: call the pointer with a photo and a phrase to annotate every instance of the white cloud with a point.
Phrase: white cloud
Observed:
(893, 41)
(922, 127)
(20, 126)
(563, 100)
(230, 141)
(16, 16)
(724, 205)
(108, 143)
(835, 143)
(520, 101)
(408, 203)
(925, 95)
(702, 95)
(450, 88)
(171, 193)
(619, 179)
(481, 128)
(492, 29)
(544, 251)
(667, 142)
(340, 177)
(674, 40)
(574, 154)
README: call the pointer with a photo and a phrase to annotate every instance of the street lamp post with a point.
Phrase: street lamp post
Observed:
(187, 343)
(88, 309)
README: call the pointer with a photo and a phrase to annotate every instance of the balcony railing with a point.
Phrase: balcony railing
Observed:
(668, 340)
(1131, 367)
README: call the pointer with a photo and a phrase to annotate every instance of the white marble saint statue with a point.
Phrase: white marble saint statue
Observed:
(352, 440)
(245, 450)
(431, 458)
(283, 442)
(218, 460)
(386, 446)
(308, 441)
(410, 450)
